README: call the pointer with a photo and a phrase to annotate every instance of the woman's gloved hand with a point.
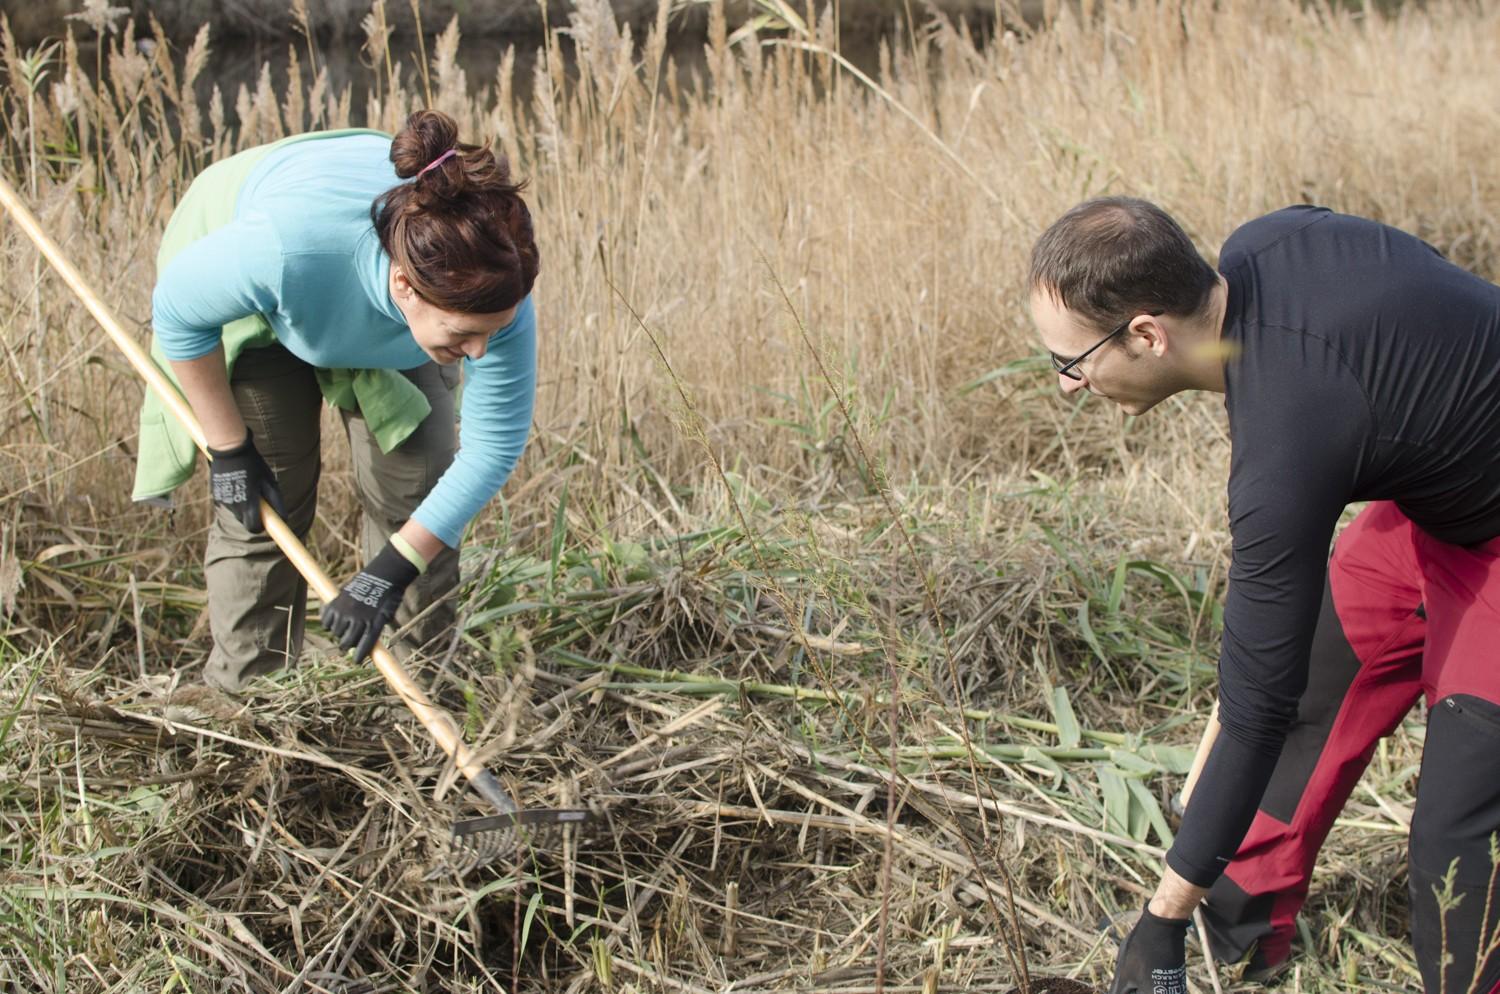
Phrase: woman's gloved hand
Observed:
(1152, 958)
(239, 478)
(367, 603)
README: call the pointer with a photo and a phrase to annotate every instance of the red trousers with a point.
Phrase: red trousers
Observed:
(1404, 615)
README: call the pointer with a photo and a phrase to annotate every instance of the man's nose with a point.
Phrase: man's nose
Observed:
(1070, 386)
(476, 347)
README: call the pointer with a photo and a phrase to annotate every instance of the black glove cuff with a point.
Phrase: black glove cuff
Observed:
(1165, 923)
(390, 564)
(248, 445)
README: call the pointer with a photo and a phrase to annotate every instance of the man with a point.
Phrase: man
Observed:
(1356, 364)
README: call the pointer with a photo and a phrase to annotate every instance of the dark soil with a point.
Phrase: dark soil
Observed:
(1057, 985)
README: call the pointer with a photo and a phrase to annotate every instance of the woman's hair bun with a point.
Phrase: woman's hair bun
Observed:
(461, 232)
(427, 135)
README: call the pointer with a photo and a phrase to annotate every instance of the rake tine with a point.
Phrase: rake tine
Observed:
(481, 841)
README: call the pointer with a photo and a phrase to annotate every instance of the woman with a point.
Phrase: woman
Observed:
(364, 270)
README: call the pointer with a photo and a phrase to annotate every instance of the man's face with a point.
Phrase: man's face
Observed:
(1125, 370)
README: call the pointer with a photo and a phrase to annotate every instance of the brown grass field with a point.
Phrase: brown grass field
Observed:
(879, 657)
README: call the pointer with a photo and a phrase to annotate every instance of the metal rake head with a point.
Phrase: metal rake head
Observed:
(481, 841)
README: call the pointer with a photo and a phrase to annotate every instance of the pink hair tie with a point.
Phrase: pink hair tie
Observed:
(437, 162)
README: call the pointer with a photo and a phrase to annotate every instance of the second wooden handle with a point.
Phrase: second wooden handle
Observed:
(1205, 746)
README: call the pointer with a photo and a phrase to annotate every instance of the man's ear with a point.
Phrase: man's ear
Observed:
(1151, 335)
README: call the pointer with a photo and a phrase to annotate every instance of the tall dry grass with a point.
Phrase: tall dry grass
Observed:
(899, 216)
(902, 224)
(728, 222)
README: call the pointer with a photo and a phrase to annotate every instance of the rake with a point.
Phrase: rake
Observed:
(474, 842)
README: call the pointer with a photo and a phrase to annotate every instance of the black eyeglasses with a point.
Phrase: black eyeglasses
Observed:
(1064, 367)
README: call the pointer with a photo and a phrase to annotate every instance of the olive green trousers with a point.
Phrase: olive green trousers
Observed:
(257, 601)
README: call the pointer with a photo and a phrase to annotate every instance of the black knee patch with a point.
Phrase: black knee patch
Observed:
(1457, 816)
(1235, 920)
(1458, 798)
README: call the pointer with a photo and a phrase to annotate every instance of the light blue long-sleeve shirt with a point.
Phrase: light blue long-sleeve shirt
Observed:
(302, 252)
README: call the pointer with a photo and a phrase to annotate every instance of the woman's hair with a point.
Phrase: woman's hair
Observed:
(459, 231)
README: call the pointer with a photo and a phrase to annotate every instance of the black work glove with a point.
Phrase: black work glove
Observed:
(369, 601)
(1152, 958)
(239, 478)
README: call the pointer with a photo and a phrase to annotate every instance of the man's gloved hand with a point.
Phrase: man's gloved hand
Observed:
(1152, 958)
(239, 478)
(368, 602)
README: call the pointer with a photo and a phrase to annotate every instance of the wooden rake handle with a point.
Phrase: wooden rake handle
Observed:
(1205, 746)
(438, 723)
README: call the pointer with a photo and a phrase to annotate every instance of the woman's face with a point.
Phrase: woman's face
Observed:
(446, 336)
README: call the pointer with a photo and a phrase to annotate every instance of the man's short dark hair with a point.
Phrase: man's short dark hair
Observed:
(1111, 258)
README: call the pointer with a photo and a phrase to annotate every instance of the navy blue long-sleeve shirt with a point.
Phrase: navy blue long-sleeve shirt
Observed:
(1361, 365)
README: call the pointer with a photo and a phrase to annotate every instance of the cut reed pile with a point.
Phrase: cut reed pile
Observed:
(878, 657)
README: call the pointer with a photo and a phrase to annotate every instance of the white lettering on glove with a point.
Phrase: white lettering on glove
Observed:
(1173, 981)
(231, 487)
(367, 589)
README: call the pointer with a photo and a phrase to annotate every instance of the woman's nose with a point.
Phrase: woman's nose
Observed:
(476, 347)
(1070, 386)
